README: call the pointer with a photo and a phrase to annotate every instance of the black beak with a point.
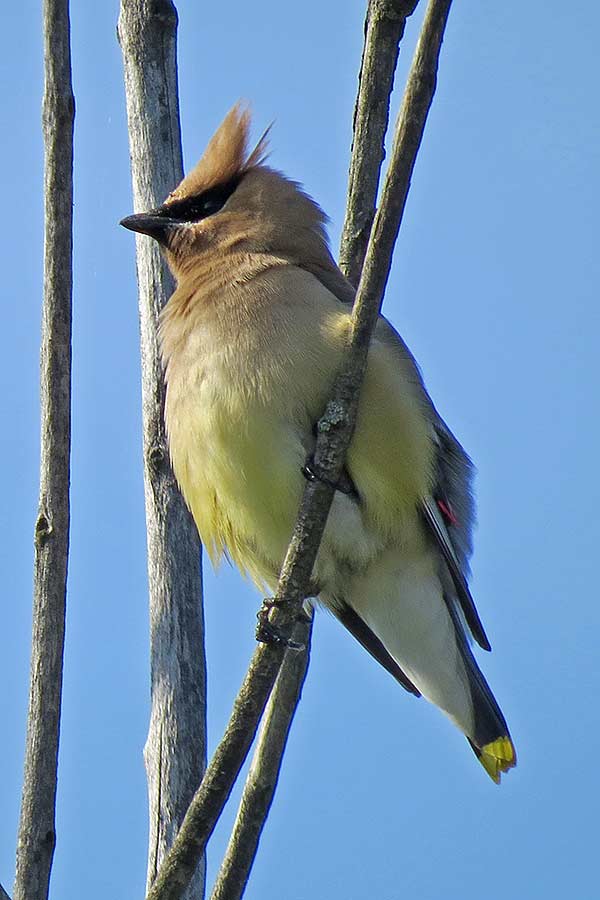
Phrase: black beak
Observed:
(153, 223)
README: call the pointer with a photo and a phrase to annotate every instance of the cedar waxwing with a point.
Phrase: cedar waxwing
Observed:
(252, 340)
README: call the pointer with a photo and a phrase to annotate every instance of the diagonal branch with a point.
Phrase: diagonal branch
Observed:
(175, 751)
(220, 776)
(3, 894)
(334, 434)
(264, 770)
(36, 839)
(384, 29)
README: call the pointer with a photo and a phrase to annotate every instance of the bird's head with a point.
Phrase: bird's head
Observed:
(232, 202)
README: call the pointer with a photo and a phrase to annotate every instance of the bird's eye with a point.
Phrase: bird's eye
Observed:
(202, 206)
(208, 206)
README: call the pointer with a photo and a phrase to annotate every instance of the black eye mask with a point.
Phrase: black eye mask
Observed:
(194, 209)
(162, 222)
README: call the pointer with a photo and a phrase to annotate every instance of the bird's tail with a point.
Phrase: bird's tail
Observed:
(496, 756)
(414, 628)
(490, 740)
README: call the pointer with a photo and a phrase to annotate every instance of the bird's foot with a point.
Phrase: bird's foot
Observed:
(310, 473)
(266, 632)
(345, 485)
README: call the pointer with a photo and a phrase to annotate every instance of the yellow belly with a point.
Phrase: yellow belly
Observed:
(240, 414)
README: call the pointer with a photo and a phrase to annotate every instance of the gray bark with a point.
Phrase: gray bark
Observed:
(175, 751)
(384, 28)
(265, 767)
(334, 434)
(410, 125)
(36, 838)
(220, 776)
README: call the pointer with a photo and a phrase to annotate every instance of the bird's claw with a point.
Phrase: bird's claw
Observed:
(267, 633)
(310, 473)
(344, 485)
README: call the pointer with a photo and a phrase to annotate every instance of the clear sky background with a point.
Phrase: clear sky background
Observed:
(495, 289)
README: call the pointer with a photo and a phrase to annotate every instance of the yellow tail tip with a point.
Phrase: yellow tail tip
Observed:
(498, 756)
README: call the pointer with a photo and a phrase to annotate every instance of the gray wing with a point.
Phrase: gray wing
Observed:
(449, 513)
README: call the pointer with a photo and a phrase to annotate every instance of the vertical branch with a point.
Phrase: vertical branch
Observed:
(36, 839)
(384, 29)
(175, 751)
(264, 770)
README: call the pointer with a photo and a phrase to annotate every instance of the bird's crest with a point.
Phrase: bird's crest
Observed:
(226, 156)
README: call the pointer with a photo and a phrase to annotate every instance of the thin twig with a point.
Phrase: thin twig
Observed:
(384, 29)
(175, 751)
(3, 894)
(221, 773)
(36, 839)
(264, 770)
(334, 434)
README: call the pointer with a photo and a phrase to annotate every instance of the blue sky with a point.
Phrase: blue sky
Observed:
(495, 288)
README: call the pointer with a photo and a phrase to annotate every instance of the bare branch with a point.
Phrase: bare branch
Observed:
(175, 751)
(336, 426)
(384, 28)
(36, 839)
(264, 770)
(410, 125)
(221, 773)
(3, 894)
(334, 434)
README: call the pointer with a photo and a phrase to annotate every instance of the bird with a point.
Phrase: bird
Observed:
(251, 342)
